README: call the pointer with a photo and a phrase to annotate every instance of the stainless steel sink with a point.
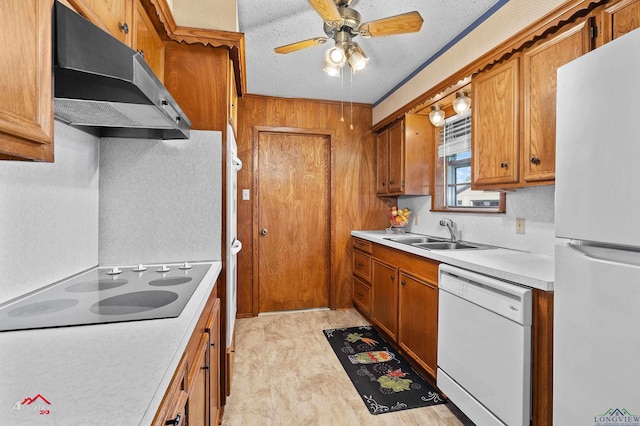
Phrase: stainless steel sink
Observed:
(415, 240)
(428, 242)
(447, 245)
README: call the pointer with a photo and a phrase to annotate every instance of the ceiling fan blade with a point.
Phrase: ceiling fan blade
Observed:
(410, 22)
(327, 10)
(301, 45)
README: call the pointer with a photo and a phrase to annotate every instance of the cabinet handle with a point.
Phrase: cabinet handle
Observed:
(392, 278)
(384, 183)
(141, 52)
(359, 265)
(206, 367)
(213, 344)
(359, 294)
(124, 27)
(535, 161)
(391, 182)
(402, 282)
(504, 164)
(174, 422)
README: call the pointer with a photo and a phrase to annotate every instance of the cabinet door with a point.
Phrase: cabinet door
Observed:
(115, 16)
(233, 99)
(147, 41)
(26, 112)
(418, 321)
(362, 296)
(198, 404)
(495, 128)
(173, 410)
(385, 298)
(382, 162)
(396, 157)
(618, 19)
(213, 329)
(540, 68)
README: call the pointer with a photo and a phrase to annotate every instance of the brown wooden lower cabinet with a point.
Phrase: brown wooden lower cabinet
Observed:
(384, 310)
(402, 301)
(418, 320)
(193, 396)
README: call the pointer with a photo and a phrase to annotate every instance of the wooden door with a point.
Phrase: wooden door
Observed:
(396, 157)
(382, 162)
(617, 19)
(293, 221)
(147, 41)
(495, 125)
(418, 320)
(540, 70)
(384, 311)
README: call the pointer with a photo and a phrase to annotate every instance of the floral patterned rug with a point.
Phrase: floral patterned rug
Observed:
(385, 381)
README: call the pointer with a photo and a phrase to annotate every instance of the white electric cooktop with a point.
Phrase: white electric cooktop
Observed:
(104, 295)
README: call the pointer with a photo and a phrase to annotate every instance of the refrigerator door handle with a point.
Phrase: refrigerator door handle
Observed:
(608, 254)
(237, 163)
(236, 247)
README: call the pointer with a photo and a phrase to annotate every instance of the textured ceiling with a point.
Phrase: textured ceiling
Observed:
(268, 24)
(212, 14)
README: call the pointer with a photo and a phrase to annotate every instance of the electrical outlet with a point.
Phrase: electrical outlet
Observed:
(520, 225)
(415, 220)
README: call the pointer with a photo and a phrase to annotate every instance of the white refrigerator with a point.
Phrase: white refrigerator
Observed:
(596, 367)
(233, 244)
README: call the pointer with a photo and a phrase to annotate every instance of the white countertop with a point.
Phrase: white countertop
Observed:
(104, 374)
(527, 269)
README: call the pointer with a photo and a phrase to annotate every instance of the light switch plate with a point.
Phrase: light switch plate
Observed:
(520, 225)
(245, 195)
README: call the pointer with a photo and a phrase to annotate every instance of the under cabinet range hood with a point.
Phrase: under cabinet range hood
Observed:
(101, 83)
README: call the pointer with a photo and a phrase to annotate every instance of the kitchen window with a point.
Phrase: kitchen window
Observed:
(453, 171)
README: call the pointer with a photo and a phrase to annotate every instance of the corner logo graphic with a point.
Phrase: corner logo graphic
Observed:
(37, 405)
(617, 416)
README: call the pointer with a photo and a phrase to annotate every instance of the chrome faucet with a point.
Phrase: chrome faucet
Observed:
(452, 227)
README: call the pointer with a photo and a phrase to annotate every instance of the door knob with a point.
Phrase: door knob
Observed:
(263, 232)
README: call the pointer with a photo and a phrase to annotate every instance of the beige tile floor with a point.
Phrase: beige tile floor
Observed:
(286, 374)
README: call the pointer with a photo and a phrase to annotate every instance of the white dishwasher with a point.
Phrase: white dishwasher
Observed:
(484, 346)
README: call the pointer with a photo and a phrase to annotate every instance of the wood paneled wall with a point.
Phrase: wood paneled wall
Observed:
(355, 205)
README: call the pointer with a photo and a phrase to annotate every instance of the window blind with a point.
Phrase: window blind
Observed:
(455, 136)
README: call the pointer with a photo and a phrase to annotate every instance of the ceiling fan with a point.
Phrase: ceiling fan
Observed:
(342, 24)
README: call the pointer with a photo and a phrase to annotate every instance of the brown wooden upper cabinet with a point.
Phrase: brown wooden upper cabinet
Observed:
(405, 156)
(26, 113)
(616, 19)
(127, 21)
(513, 134)
(540, 64)
(495, 125)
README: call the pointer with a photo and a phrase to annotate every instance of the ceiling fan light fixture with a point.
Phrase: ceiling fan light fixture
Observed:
(331, 69)
(462, 102)
(335, 56)
(436, 116)
(357, 61)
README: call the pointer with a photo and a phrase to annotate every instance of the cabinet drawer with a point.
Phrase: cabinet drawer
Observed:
(362, 295)
(361, 244)
(362, 265)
